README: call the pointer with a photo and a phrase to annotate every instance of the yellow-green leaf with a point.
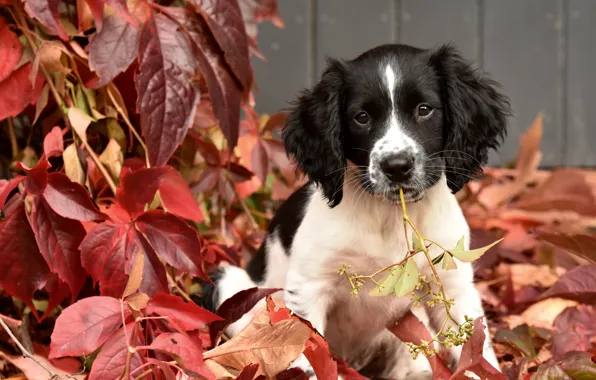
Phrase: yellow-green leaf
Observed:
(408, 278)
(417, 243)
(448, 262)
(474, 254)
(387, 285)
(460, 245)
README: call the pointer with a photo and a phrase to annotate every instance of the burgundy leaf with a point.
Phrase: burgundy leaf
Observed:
(575, 326)
(208, 151)
(70, 199)
(248, 372)
(187, 352)
(113, 49)
(58, 240)
(292, 374)
(177, 198)
(111, 360)
(549, 371)
(120, 6)
(207, 181)
(46, 12)
(138, 188)
(58, 290)
(581, 245)
(154, 278)
(224, 19)
(225, 90)
(255, 11)
(37, 178)
(565, 342)
(184, 315)
(53, 144)
(85, 325)
(236, 306)
(6, 187)
(260, 161)
(18, 92)
(28, 270)
(10, 50)
(168, 96)
(173, 240)
(471, 357)
(578, 284)
(579, 365)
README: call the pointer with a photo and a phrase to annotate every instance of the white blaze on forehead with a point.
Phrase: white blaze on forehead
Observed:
(390, 80)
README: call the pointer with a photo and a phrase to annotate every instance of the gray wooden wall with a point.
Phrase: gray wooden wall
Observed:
(543, 52)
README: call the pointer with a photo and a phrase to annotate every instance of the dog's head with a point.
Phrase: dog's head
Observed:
(403, 116)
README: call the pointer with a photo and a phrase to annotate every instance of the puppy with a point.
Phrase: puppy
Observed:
(395, 116)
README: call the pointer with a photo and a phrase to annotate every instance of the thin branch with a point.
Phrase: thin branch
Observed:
(178, 288)
(26, 353)
(14, 146)
(147, 372)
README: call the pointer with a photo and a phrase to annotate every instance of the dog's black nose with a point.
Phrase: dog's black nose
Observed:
(398, 167)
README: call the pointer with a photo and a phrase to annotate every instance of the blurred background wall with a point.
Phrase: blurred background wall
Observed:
(543, 52)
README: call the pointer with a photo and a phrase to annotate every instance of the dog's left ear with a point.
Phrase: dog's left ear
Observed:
(475, 115)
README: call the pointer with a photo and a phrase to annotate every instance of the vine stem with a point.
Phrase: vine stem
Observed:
(178, 288)
(24, 351)
(409, 255)
(14, 146)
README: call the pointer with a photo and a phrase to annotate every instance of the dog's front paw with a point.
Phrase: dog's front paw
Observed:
(303, 364)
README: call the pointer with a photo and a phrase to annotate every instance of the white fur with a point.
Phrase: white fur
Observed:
(365, 232)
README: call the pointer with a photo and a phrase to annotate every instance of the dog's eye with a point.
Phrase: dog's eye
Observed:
(362, 118)
(424, 110)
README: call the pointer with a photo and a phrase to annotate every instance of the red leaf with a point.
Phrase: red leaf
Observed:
(53, 144)
(177, 198)
(173, 240)
(37, 178)
(113, 49)
(471, 357)
(168, 96)
(111, 360)
(225, 91)
(96, 7)
(260, 161)
(46, 12)
(138, 188)
(58, 291)
(154, 280)
(576, 327)
(255, 11)
(581, 245)
(28, 270)
(186, 351)
(69, 199)
(85, 325)
(410, 329)
(10, 50)
(236, 306)
(292, 374)
(248, 372)
(58, 240)
(184, 315)
(6, 187)
(578, 284)
(120, 6)
(227, 26)
(207, 181)
(18, 92)
(208, 151)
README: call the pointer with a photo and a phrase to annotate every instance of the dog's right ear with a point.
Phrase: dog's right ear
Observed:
(312, 135)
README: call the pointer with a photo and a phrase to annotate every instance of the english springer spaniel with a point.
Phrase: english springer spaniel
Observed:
(395, 116)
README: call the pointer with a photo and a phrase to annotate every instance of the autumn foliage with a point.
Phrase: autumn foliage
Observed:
(134, 163)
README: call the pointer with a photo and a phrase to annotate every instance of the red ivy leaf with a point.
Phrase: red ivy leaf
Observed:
(10, 50)
(37, 178)
(185, 350)
(471, 357)
(120, 6)
(207, 181)
(579, 244)
(46, 12)
(85, 325)
(248, 372)
(291, 374)
(410, 329)
(138, 188)
(58, 291)
(260, 161)
(58, 240)
(53, 144)
(184, 315)
(168, 96)
(6, 187)
(236, 306)
(227, 26)
(154, 278)
(177, 198)
(69, 199)
(111, 360)
(225, 91)
(28, 270)
(578, 284)
(113, 49)
(173, 240)
(18, 92)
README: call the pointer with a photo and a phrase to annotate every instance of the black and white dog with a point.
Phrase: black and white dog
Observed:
(396, 116)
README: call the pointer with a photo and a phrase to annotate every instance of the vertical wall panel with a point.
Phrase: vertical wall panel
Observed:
(521, 53)
(287, 51)
(347, 28)
(427, 23)
(581, 111)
